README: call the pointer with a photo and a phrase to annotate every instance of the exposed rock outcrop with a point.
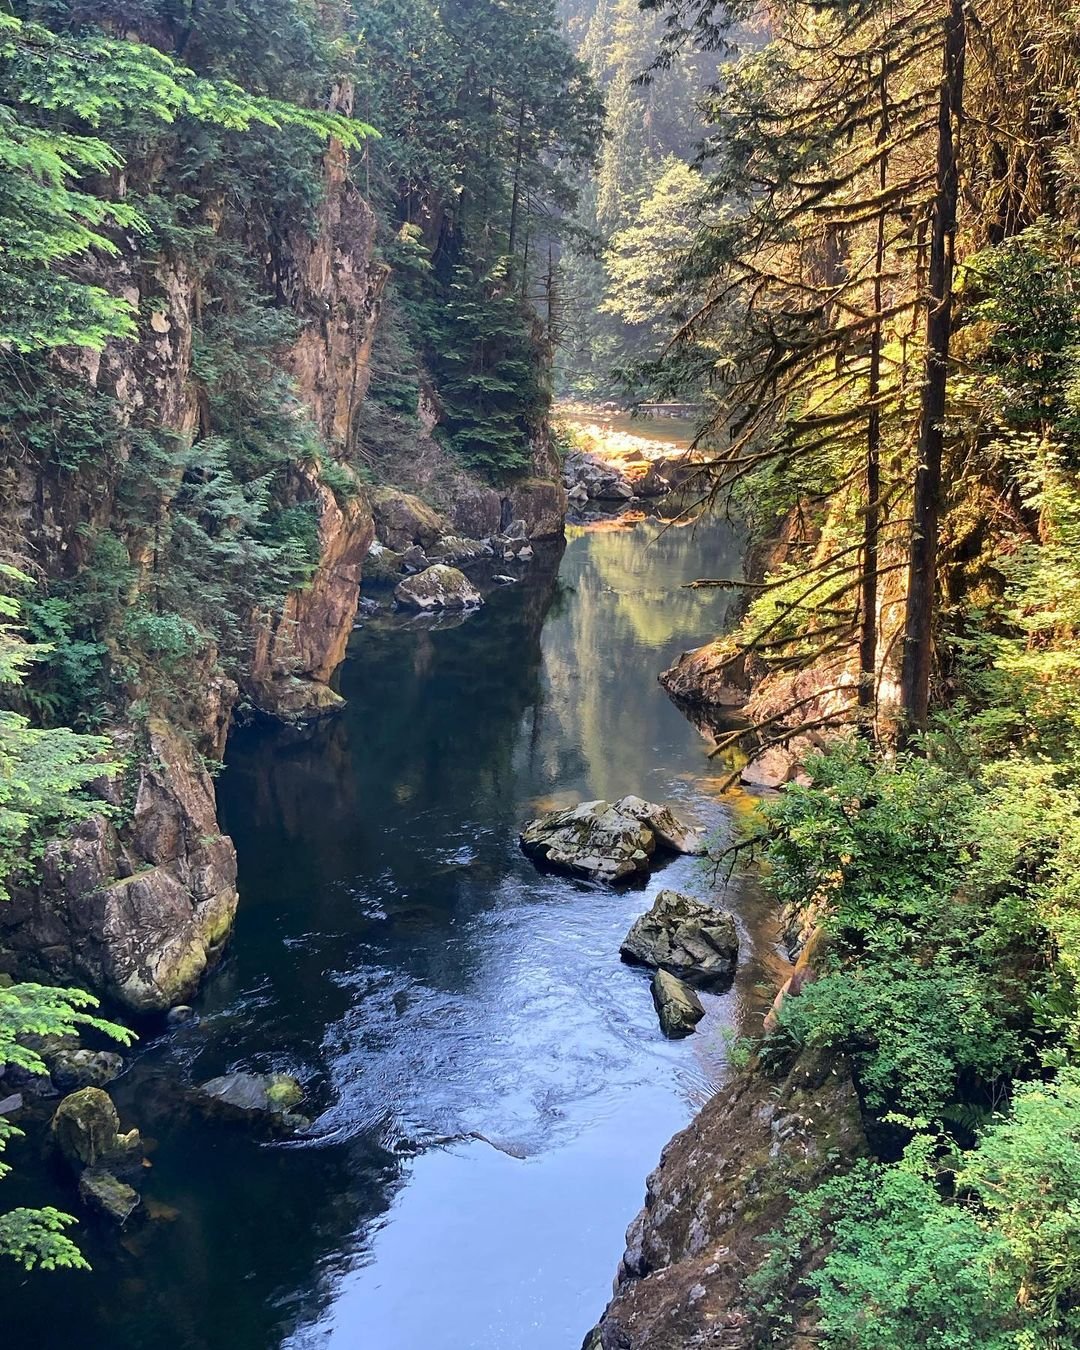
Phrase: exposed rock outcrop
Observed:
(438, 587)
(686, 937)
(601, 841)
(722, 1185)
(295, 658)
(707, 677)
(329, 274)
(137, 909)
(677, 1006)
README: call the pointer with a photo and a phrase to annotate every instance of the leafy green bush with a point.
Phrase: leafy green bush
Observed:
(917, 986)
(902, 1269)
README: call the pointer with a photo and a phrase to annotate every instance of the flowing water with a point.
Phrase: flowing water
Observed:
(488, 1083)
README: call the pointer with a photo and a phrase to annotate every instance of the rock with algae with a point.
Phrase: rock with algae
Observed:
(438, 587)
(269, 1097)
(86, 1129)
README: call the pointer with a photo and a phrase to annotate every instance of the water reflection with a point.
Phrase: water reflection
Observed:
(489, 1082)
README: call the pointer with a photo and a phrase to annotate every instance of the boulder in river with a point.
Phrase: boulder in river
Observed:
(438, 587)
(677, 1006)
(665, 824)
(86, 1129)
(270, 1097)
(593, 840)
(685, 937)
(100, 1190)
(604, 841)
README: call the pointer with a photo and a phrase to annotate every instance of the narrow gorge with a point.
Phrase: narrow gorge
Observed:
(539, 674)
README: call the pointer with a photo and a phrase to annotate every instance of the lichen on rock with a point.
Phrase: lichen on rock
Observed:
(438, 587)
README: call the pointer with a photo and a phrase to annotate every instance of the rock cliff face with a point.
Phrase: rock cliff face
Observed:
(721, 1185)
(297, 655)
(331, 280)
(139, 904)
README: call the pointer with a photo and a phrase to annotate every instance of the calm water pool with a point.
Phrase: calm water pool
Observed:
(488, 1081)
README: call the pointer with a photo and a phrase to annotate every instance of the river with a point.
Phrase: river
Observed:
(488, 1083)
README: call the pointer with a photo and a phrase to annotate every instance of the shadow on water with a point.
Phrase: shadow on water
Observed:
(488, 1082)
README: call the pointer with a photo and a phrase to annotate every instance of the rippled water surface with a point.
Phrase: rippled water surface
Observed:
(488, 1082)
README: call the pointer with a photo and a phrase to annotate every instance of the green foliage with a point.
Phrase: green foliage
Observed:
(486, 370)
(983, 1252)
(487, 118)
(643, 256)
(42, 772)
(58, 93)
(920, 986)
(36, 1238)
(901, 1269)
(1025, 1173)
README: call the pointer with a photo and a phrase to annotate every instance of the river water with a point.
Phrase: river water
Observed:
(488, 1083)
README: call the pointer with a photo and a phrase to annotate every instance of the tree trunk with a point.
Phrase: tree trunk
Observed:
(868, 636)
(922, 563)
(515, 201)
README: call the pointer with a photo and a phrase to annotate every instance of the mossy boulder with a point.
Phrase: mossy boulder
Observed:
(458, 552)
(402, 519)
(86, 1130)
(383, 566)
(74, 1069)
(254, 1097)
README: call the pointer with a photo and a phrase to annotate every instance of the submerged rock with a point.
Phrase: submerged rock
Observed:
(438, 587)
(593, 840)
(685, 937)
(609, 842)
(86, 1129)
(251, 1096)
(677, 1006)
(100, 1190)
